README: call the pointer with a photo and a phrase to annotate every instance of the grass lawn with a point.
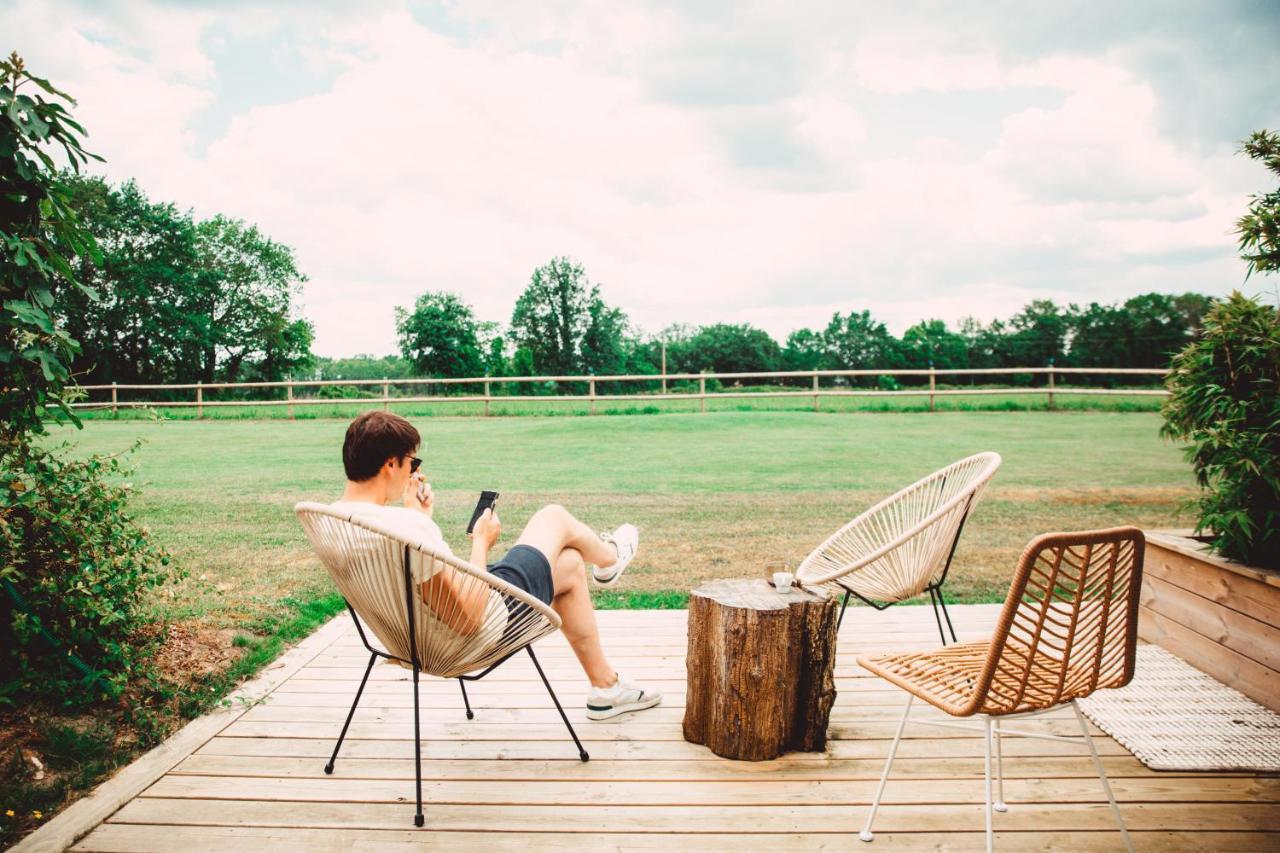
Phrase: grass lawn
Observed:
(715, 495)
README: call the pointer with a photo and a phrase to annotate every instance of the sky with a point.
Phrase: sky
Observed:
(764, 163)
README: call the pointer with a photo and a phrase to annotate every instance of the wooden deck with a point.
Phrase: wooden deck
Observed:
(510, 778)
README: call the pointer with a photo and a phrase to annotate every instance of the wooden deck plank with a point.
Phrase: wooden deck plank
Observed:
(572, 817)
(599, 792)
(142, 838)
(787, 768)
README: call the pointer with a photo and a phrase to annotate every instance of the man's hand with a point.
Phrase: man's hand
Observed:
(487, 529)
(418, 495)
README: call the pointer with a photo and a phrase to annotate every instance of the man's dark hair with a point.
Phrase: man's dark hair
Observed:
(372, 439)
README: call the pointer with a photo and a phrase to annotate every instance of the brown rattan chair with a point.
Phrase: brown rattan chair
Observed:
(1069, 627)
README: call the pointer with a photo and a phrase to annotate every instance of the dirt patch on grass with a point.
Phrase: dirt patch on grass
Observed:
(190, 653)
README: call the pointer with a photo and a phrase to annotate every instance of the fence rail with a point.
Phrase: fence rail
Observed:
(1051, 389)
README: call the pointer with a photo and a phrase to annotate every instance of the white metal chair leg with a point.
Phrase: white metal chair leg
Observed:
(1000, 805)
(986, 780)
(1102, 774)
(866, 834)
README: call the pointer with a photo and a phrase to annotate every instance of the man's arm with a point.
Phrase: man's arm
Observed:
(457, 600)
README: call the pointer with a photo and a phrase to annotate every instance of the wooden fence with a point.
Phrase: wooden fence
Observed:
(1051, 388)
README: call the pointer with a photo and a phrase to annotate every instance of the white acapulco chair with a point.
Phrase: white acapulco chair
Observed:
(393, 587)
(903, 546)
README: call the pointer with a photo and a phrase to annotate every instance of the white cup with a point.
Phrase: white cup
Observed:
(782, 582)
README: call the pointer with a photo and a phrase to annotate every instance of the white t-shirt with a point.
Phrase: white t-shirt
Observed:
(418, 528)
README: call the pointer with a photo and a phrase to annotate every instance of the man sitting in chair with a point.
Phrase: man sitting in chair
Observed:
(549, 560)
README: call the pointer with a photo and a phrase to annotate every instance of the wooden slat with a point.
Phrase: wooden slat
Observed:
(1228, 666)
(787, 768)
(1242, 594)
(141, 838)
(721, 818)
(635, 750)
(341, 789)
(1250, 637)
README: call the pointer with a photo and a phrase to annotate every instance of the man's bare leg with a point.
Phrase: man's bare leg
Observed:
(567, 544)
(578, 617)
(553, 528)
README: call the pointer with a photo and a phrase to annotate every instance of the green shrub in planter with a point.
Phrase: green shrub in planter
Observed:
(1225, 401)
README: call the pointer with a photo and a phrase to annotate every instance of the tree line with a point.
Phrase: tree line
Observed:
(561, 325)
(172, 299)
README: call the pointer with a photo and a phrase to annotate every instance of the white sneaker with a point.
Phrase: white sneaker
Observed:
(626, 539)
(606, 702)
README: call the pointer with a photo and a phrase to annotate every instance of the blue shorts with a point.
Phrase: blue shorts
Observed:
(527, 568)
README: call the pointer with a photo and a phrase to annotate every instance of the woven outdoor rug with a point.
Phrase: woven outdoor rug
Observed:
(1172, 716)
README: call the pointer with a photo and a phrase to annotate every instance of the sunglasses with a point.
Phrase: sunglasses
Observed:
(414, 464)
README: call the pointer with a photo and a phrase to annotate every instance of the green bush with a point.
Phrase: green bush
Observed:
(74, 569)
(1225, 400)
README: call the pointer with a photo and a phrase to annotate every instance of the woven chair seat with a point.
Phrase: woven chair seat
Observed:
(948, 679)
(367, 562)
(901, 546)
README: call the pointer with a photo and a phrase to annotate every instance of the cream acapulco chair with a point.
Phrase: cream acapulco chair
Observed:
(903, 546)
(1069, 626)
(386, 581)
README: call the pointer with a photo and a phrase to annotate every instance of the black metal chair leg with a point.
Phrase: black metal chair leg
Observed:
(933, 599)
(942, 601)
(465, 700)
(418, 819)
(582, 753)
(843, 605)
(328, 768)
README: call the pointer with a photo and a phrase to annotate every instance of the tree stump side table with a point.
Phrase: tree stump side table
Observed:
(760, 669)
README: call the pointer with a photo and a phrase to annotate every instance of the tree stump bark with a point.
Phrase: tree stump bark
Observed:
(760, 669)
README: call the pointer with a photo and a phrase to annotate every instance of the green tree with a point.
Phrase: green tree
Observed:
(728, 348)
(605, 341)
(246, 290)
(38, 233)
(1039, 334)
(857, 341)
(1224, 401)
(181, 300)
(563, 324)
(440, 336)
(804, 350)
(1259, 228)
(74, 565)
(931, 342)
(138, 327)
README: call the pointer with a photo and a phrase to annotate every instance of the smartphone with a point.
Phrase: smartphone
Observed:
(487, 500)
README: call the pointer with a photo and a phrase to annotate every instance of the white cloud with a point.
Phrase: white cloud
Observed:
(443, 161)
(901, 63)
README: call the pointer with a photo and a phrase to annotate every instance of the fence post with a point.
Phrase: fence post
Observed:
(199, 400)
(290, 389)
(815, 390)
(664, 367)
(933, 385)
(115, 411)
(702, 391)
(1051, 383)
(386, 394)
(486, 395)
(591, 393)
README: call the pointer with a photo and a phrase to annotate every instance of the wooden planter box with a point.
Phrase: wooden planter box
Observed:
(1218, 615)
